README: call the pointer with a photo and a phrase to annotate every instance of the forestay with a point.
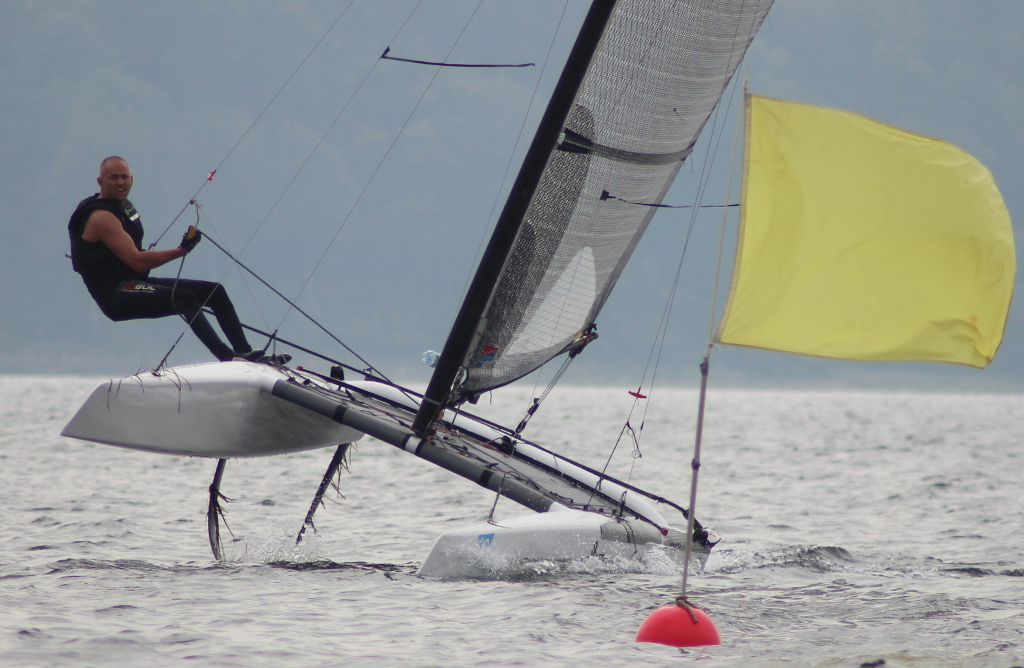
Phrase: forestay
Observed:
(658, 72)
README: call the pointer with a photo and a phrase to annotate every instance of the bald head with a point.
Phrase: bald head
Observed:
(113, 158)
(115, 178)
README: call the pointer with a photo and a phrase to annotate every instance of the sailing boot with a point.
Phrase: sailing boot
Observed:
(278, 360)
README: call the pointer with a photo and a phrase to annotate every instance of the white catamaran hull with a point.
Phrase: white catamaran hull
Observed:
(221, 409)
(242, 409)
(560, 535)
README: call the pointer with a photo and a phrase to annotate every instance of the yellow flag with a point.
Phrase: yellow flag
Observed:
(864, 242)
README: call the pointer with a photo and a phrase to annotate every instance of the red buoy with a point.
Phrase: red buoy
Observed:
(674, 625)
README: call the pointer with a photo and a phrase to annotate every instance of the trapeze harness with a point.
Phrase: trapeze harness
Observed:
(125, 294)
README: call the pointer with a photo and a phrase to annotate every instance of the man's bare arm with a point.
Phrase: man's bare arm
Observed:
(104, 226)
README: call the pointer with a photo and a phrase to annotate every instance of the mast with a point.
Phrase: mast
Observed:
(462, 335)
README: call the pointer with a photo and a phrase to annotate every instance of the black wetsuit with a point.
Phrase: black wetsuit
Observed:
(125, 294)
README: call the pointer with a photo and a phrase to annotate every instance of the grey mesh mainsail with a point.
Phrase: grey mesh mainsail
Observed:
(659, 70)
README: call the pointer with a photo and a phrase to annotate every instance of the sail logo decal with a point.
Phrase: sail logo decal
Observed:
(138, 287)
(487, 355)
(485, 539)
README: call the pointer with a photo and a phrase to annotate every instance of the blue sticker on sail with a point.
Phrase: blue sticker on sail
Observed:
(484, 539)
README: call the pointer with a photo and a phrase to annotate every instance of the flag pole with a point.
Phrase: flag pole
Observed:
(695, 466)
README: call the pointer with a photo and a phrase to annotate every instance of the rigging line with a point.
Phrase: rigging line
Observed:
(654, 355)
(265, 218)
(627, 427)
(709, 164)
(296, 346)
(635, 455)
(728, 192)
(705, 178)
(292, 305)
(379, 164)
(706, 169)
(536, 380)
(385, 56)
(256, 120)
(316, 147)
(547, 390)
(512, 154)
(662, 330)
(721, 236)
(241, 274)
(174, 288)
(662, 325)
(522, 425)
(169, 351)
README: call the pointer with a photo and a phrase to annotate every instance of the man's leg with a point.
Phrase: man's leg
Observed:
(156, 298)
(216, 298)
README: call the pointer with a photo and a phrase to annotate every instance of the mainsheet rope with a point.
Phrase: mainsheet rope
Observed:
(272, 336)
(202, 307)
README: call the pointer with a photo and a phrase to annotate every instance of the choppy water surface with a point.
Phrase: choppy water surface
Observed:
(855, 526)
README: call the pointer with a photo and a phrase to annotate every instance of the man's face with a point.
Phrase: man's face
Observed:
(115, 180)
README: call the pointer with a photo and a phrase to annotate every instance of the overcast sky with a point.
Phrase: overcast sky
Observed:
(392, 208)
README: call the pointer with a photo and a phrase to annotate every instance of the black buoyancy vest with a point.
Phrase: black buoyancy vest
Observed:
(100, 268)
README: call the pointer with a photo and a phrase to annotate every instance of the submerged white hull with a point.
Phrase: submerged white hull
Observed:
(561, 535)
(221, 409)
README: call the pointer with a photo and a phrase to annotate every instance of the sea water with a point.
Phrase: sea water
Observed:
(856, 527)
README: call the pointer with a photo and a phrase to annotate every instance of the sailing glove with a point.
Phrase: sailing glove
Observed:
(191, 238)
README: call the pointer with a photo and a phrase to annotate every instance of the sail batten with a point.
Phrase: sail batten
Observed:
(577, 143)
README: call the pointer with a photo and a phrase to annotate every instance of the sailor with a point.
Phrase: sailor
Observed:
(106, 249)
